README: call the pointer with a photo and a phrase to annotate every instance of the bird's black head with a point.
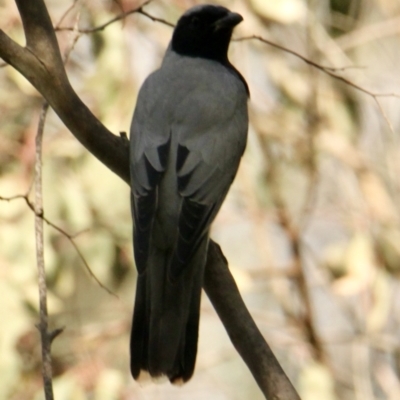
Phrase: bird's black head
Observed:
(205, 31)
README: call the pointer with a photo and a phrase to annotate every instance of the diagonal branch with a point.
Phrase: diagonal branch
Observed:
(101, 27)
(328, 70)
(242, 330)
(156, 19)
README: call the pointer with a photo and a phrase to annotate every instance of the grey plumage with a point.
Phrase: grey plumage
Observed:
(187, 137)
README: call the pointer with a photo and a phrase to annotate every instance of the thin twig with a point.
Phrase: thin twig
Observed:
(78, 251)
(106, 24)
(385, 117)
(66, 12)
(156, 19)
(327, 70)
(294, 53)
(69, 236)
(331, 72)
(38, 207)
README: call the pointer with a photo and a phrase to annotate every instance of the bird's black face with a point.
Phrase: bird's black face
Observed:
(205, 31)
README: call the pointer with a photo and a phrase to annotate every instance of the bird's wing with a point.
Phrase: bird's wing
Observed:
(148, 160)
(211, 143)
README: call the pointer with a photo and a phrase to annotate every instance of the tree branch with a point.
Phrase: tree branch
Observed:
(40, 37)
(242, 330)
(328, 70)
(68, 236)
(43, 325)
(119, 17)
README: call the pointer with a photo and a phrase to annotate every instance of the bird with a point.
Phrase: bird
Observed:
(187, 137)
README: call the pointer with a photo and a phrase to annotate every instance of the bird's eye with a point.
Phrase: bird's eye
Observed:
(195, 23)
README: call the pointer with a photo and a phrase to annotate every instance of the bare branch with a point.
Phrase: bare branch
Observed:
(69, 236)
(43, 324)
(54, 333)
(111, 21)
(327, 70)
(156, 19)
(66, 12)
(242, 330)
(39, 33)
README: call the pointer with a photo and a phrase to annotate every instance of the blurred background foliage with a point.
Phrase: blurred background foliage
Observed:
(311, 227)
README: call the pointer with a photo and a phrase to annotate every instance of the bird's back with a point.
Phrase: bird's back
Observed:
(191, 101)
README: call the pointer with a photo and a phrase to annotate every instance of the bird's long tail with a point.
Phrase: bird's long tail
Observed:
(166, 318)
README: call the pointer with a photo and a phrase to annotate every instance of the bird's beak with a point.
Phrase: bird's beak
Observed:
(230, 21)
